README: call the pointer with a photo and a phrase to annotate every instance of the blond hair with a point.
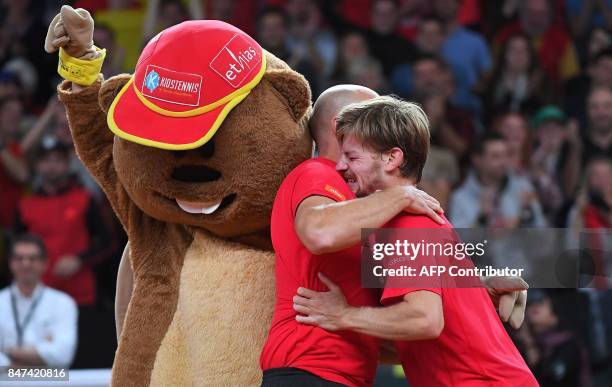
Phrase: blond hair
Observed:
(386, 122)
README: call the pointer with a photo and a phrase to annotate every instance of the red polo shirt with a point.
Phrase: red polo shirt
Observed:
(343, 357)
(473, 349)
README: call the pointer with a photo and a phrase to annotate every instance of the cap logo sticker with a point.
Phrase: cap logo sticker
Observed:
(236, 60)
(172, 86)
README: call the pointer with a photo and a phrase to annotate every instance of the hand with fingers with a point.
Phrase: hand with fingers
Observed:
(509, 295)
(323, 309)
(421, 203)
(71, 32)
(72, 29)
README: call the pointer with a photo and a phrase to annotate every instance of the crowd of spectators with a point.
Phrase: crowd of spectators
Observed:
(518, 93)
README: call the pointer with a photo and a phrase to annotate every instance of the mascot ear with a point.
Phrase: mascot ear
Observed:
(293, 88)
(109, 90)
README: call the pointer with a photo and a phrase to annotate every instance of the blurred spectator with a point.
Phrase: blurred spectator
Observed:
(597, 73)
(384, 42)
(309, 38)
(272, 33)
(368, 72)
(430, 37)
(555, 161)
(68, 220)
(492, 195)
(13, 168)
(466, 52)
(594, 203)
(104, 37)
(77, 235)
(10, 86)
(514, 129)
(52, 125)
(597, 139)
(451, 126)
(440, 174)
(554, 354)
(21, 32)
(584, 14)
(236, 12)
(353, 47)
(497, 14)
(516, 83)
(39, 324)
(599, 40)
(554, 46)
(162, 14)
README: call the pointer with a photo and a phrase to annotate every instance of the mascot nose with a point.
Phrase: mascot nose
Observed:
(195, 174)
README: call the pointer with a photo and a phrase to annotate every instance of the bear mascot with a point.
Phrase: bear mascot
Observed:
(201, 137)
(190, 151)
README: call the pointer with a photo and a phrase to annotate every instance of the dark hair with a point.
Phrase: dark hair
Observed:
(606, 53)
(9, 98)
(500, 58)
(432, 58)
(30, 239)
(481, 143)
(272, 10)
(433, 19)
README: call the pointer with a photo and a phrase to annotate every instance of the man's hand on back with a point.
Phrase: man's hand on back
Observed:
(322, 309)
(509, 295)
(421, 203)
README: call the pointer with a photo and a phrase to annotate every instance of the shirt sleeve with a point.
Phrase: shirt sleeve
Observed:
(318, 180)
(59, 352)
(423, 263)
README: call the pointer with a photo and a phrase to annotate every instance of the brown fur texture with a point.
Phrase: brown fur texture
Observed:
(204, 317)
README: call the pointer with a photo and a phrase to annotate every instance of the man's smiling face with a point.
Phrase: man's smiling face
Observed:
(361, 166)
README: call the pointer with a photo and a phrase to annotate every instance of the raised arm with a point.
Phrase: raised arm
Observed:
(83, 93)
(325, 226)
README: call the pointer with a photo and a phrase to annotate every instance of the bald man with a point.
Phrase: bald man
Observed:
(316, 227)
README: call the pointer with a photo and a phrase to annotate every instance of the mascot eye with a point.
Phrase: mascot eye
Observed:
(207, 150)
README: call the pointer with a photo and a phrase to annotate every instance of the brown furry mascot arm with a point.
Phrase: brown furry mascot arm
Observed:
(92, 138)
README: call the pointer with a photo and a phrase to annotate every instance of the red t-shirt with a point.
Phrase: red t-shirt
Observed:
(343, 357)
(473, 348)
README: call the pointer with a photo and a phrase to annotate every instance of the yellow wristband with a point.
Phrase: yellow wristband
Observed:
(82, 72)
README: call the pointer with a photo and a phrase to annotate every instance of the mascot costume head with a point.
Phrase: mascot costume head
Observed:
(190, 151)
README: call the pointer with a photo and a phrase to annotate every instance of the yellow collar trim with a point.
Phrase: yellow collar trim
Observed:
(203, 109)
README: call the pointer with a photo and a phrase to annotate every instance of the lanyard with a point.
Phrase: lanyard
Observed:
(20, 328)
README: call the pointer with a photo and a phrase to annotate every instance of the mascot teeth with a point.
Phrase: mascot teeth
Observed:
(196, 208)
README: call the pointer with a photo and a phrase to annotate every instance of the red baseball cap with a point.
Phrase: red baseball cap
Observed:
(187, 79)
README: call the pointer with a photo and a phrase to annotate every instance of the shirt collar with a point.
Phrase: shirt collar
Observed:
(35, 294)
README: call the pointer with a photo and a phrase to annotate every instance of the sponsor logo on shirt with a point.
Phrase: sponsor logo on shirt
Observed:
(334, 191)
(236, 60)
(172, 86)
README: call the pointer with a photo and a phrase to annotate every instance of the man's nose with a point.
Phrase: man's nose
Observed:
(341, 165)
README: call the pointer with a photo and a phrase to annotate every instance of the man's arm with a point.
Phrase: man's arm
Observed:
(60, 350)
(25, 356)
(325, 226)
(419, 316)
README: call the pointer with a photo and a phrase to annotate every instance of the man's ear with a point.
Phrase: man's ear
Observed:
(293, 88)
(395, 159)
(109, 90)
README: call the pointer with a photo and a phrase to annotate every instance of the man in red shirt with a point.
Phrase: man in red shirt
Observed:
(444, 336)
(307, 219)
